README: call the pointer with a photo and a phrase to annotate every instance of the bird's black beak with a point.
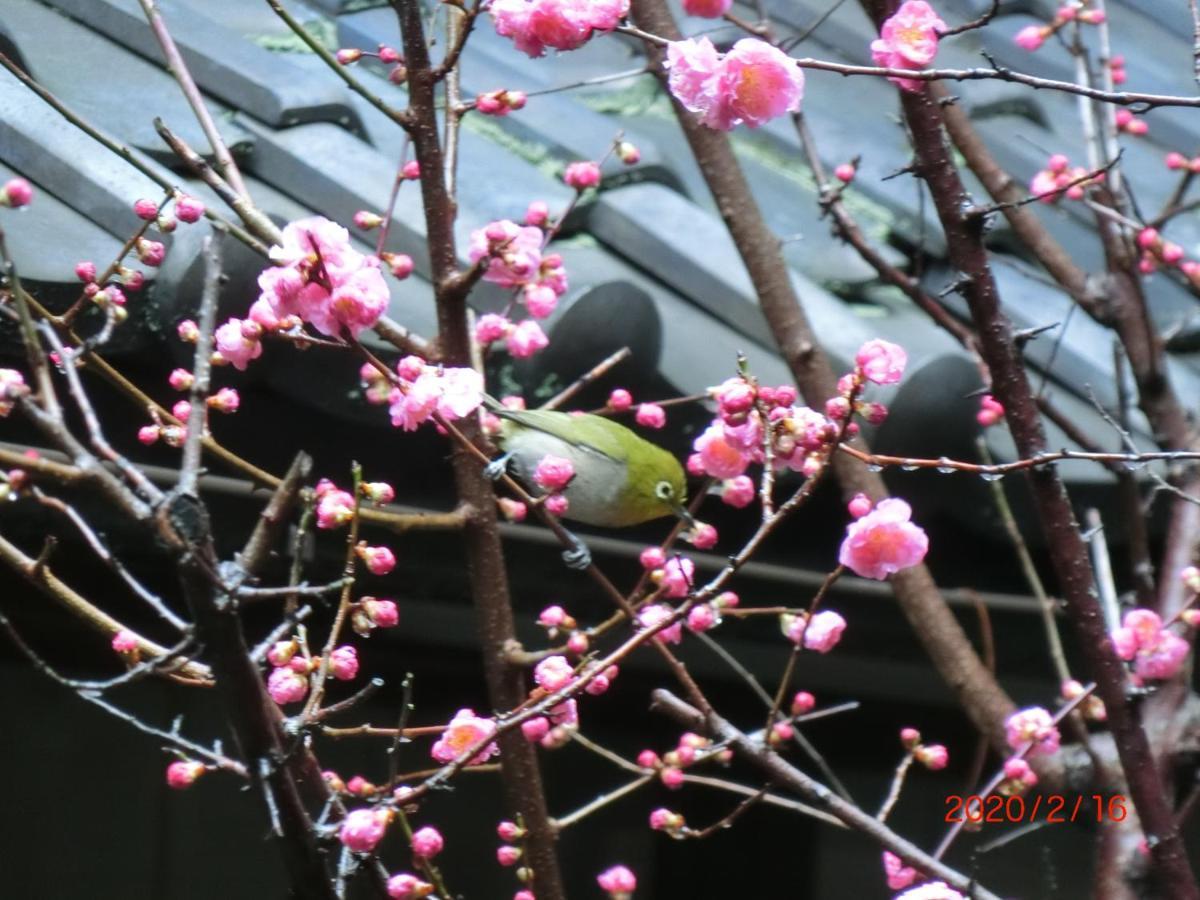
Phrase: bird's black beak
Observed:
(686, 517)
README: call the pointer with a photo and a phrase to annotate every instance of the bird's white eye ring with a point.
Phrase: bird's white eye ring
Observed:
(664, 491)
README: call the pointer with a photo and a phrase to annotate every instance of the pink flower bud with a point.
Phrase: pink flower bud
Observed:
(226, 400)
(1176, 160)
(535, 729)
(618, 881)
(552, 617)
(406, 886)
(348, 55)
(582, 175)
(146, 210)
(620, 400)
(188, 209)
(702, 537)
(1031, 37)
(411, 170)
(281, 652)
(286, 686)
(671, 777)
(701, 618)
(382, 613)
(652, 558)
(427, 842)
(526, 339)
(149, 434)
(537, 214)
(933, 756)
(400, 264)
(363, 829)
(628, 153)
(182, 774)
(151, 253)
(557, 505)
(365, 220)
(124, 642)
(860, 505)
(648, 759)
(17, 192)
(845, 172)
(803, 703)
(343, 663)
(651, 415)
(578, 643)
(512, 510)
(881, 361)
(182, 410)
(379, 560)
(910, 737)
(1147, 238)
(509, 831)
(553, 473)
(507, 855)
(85, 271)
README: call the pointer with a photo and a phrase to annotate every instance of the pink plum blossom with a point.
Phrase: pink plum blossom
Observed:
(335, 508)
(465, 731)
(235, 347)
(738, 492)
(319, 277)
(534, 25)
(881, 361)
(820, 634)
(451, 392)
(803, 703)
(526, 339)
(899, 876)
(124, 641)
(513, 252)
(652, 558)
(1032, 725)
(719, 458)
(553, 673)
(751, 84)
(678, 576)
(651, 616)
(620, 400)
(908, 40)
(883, 541)
(363, 829)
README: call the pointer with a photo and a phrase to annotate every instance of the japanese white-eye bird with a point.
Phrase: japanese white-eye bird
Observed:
(620, 478)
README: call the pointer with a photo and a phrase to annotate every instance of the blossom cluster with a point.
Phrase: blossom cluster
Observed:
(691, 749)
(320, 279)
(423, 390)
(1157, 653)
(534, 25)
(1060, 179)
(751, 84)
(1034, 727)
(1032, 37)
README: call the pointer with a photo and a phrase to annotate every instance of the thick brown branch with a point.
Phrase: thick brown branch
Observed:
(942, 636)
(1066, 548)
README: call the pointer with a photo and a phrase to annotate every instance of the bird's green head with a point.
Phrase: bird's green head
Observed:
(655, 484)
